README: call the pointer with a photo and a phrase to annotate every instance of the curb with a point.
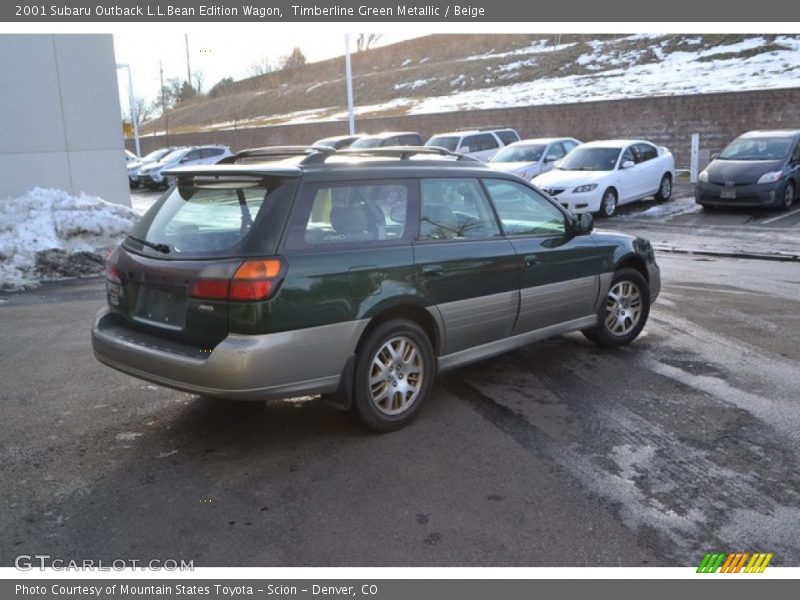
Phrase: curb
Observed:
(777, 257)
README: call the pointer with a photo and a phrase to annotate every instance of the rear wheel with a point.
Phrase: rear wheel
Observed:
(664, 192)
(394, 374)
(608, 205)
(624, 312)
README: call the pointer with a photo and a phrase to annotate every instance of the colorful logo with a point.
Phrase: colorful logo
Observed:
(734, 563)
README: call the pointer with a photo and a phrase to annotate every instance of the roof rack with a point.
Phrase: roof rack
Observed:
(313, 154)
(403, 152)
(318, 154)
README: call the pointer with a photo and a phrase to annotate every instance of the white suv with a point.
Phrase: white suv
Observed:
(151, 174)
(482, 144)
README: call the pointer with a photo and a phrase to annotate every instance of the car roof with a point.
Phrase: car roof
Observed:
(385, 134)
(463, 132)
(619, 142)
(772, 133)
(540, 141)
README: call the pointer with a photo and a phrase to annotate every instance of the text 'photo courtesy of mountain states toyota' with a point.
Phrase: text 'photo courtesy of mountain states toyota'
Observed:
(357, 274)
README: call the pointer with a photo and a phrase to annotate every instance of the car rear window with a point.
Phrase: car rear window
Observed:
(507, 136)
(203, 221)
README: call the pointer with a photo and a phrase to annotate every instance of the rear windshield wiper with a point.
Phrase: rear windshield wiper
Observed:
(163, 248)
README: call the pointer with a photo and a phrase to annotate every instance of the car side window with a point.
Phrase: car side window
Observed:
(410, 140)
(647, 152)
(471, 141)
(569, 145)
(486, 141)
(507, 136)
(455, 209)
(391, 141)
(557, 150)
(630, 154)
(192, 155)
(209, 152)
(524, 211)
(349, 213)
(796, 155)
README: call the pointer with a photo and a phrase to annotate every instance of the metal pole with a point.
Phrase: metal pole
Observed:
(188, 66)
(134, 115)
(163, 102)
(695, 158)
(349, 77)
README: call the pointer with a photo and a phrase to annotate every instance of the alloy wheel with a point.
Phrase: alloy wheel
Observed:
(623, 308)
(396, 375)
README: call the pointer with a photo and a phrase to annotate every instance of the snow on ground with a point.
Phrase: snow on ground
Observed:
(679, 206)
(49, 234)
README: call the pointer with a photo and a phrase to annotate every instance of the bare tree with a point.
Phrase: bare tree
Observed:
(364, 41)
(293, 60)
(261, 67)
(199, 79)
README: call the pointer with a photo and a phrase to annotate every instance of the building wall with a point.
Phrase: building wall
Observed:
(60, 123)
(668, 121)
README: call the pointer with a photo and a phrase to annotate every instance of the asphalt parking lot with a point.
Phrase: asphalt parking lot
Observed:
(561, 453)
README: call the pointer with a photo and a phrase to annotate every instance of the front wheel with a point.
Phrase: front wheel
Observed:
(394, 373)
(788, 196)
(608, 205)
(624, 312)
(664, 192)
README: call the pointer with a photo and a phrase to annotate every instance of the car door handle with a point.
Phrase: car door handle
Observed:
(433, 270)
(531, 260)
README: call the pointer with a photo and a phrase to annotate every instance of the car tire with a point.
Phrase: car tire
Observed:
(623, 312)
(608, 204)
(788, 196)
(664, 192)
(394, 372)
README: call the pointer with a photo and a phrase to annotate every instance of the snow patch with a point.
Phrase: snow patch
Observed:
(48, 234)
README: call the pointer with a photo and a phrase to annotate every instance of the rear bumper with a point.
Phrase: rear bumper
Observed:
(764, 194)
(241, 367)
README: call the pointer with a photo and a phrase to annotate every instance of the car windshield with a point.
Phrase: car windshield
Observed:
(591, 159)
(205, 220)
(173, 156)
(155, 154)
(448, 142)
(753, 148)
(520, 153)
(369, 142)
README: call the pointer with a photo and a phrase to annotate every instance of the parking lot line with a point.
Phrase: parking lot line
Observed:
(779, 217)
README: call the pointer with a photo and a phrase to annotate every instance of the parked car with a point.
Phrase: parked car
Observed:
(135, 166)
(759, 168)
(357, 279)
(152, 175)
(529, 158)
(388, 138)
(599, 176)
(337, 142)
(482, 144)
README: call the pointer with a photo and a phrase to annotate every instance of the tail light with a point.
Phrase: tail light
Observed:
(253, 280)
(112, 273)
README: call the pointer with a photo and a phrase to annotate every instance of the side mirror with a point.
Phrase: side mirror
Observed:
(627, 164)
(582, 224)
(714, 155)
(550, 158)
(464, 150)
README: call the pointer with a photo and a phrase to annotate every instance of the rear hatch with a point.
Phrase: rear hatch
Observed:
(206, 244)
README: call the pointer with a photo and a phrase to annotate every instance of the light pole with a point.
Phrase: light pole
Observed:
(134, 116)
(349, 77)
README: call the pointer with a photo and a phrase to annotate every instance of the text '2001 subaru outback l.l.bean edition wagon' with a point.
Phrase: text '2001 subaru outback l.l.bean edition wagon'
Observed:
(357, 274)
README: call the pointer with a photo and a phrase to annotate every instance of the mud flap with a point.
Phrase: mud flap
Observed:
(342, 398)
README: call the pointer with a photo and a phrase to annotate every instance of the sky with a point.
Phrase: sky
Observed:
(217, 55)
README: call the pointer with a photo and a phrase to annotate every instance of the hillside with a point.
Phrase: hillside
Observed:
(441, 73)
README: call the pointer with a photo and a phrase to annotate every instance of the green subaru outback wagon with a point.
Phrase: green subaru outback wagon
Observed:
(357, 275)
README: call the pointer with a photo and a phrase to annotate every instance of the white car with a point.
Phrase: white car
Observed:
(599, 176)
(482, 144)
(135, 166)
(151, 174)
(529, 158)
